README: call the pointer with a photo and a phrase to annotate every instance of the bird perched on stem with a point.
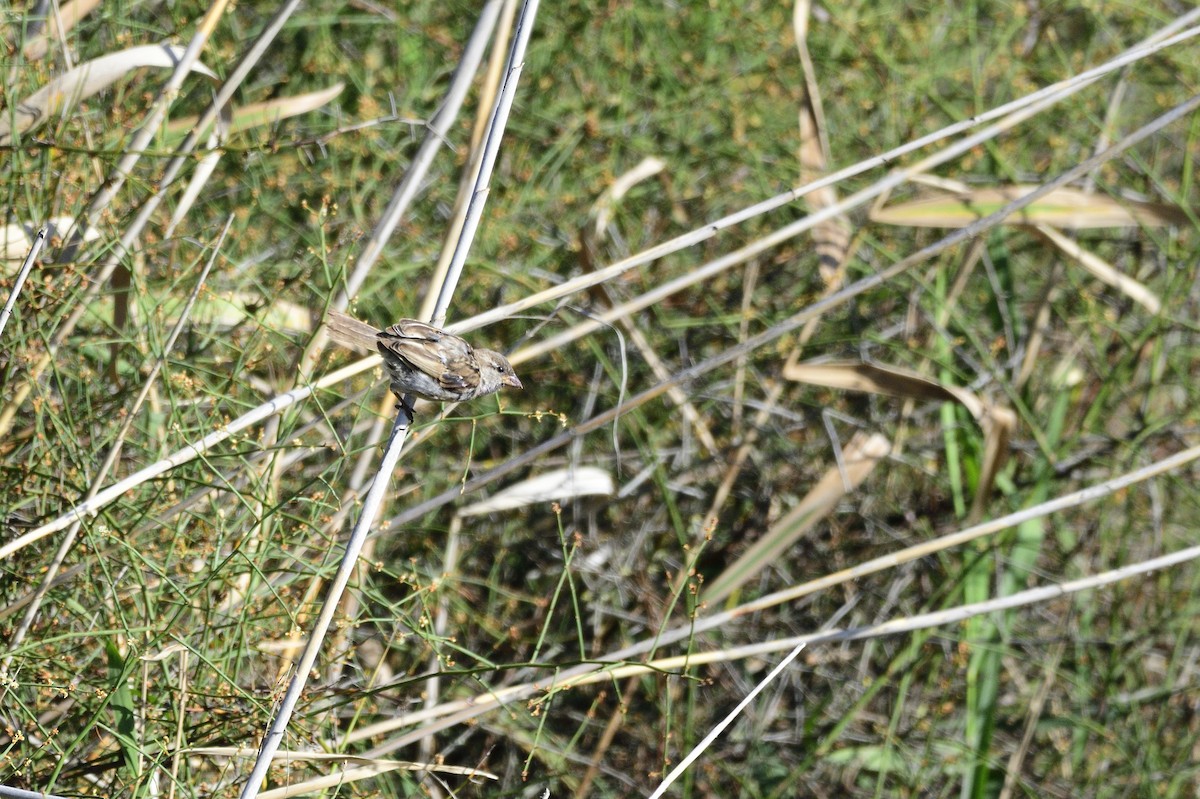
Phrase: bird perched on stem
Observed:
(426, 362)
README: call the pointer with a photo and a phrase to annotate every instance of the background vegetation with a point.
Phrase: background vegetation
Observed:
(171, 625)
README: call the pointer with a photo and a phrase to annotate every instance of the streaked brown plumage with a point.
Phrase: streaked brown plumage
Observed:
(425, 361)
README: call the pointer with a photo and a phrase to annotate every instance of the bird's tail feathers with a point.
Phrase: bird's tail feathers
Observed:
(349, 332)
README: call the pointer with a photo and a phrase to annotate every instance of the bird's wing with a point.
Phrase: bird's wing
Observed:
(441, 355)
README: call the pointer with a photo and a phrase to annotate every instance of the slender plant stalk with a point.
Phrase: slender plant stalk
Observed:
(110, 460)
(691, 757)
(491, 82)
(491, 148)
(406, 192)
(22, 274)
(391, 454)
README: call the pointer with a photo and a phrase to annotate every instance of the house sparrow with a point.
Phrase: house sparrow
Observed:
(426, 362)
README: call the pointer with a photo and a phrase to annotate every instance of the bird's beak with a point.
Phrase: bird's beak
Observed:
(511, 381)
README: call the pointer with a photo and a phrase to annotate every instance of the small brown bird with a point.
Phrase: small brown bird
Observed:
(426, 362)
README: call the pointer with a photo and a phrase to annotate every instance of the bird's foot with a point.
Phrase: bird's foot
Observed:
(402, 405)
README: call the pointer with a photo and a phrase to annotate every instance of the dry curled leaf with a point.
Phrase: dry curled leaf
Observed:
(66, 91)
(997, 422)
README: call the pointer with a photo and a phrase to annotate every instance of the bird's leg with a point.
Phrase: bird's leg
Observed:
(402, 404)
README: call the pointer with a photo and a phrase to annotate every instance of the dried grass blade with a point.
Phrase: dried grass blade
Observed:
(997, 422)
(859, 458)
(66, 91)
(561, 484)
(1064, 207)
(256, 115)
(1101, 270)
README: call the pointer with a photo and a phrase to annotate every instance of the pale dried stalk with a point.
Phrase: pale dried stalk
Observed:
(19, 283)
(403, 197)
(391, 454)
(487, 98)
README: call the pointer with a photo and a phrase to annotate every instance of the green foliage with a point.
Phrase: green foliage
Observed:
(218, 565)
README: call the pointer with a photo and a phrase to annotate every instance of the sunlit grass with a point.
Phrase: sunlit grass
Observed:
(215, 568)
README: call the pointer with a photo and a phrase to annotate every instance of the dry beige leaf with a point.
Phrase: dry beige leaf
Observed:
(997, 426)
(66, 91)
(1064, 208)
(553, 486)
(889, 380)
(266, 113)
(997, 422)
(68, 15)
